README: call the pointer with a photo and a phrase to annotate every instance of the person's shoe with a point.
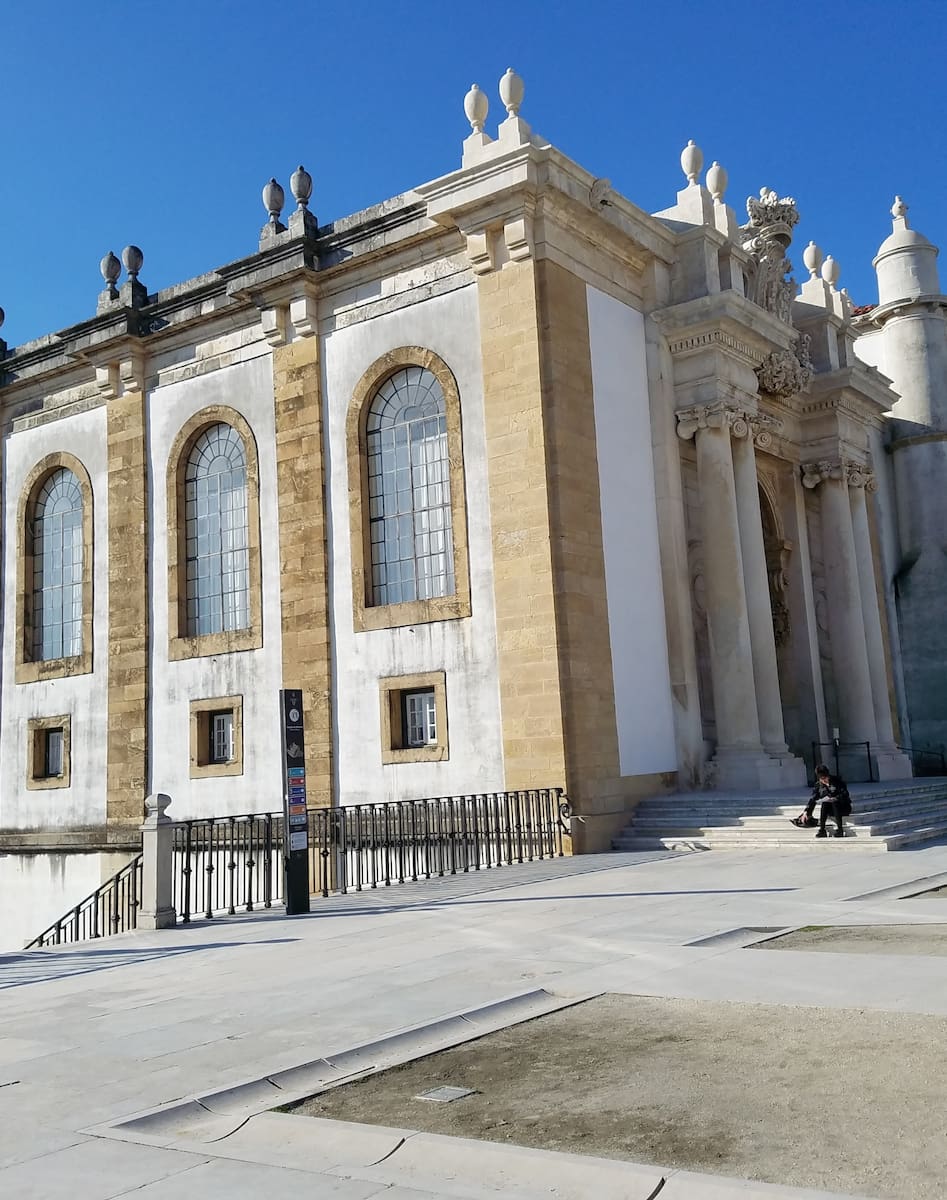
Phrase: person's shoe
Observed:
(839, 833)
(799, 822)
(822, 833)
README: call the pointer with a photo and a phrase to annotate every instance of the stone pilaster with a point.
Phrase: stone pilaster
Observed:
(527, 641)
(740, 759)
(128, 537)
(304, 581)
(853, 684)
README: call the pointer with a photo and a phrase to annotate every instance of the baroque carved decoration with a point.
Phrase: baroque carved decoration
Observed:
(766, 238)
(785, 373)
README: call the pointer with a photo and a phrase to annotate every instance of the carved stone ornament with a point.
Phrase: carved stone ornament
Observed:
(854, 474)
(785, 373)
(723, 414)
(766, 238)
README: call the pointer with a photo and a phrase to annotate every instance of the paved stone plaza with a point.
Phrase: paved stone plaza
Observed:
(95, 1034)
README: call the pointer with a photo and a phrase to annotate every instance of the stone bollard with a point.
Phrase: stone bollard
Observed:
(157, 898)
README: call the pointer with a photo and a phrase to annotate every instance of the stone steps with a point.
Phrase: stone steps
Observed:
(885, 817)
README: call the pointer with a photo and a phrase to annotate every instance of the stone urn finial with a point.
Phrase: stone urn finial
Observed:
(133, 258)
(273, 199)
(512, 90)
(476, 107)
(812, 259)
(831, 271)
(111, 268)
(692, 159)
(899, 209)
(717, 180)
(300, 183)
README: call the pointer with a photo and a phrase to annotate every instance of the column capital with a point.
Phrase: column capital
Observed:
(740, 420)
(841, 470)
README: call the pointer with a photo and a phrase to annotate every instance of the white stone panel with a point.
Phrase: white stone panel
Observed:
(464, 649)
(636, 621)
(253, 674)
(83, 697)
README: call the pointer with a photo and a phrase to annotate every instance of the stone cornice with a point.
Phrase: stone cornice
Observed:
(726, 320)
(860, 391)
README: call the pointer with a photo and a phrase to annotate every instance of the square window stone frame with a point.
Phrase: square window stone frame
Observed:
(391, 697)
(201, 766)
(37, 729)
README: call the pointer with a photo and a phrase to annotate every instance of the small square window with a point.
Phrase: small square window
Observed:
(414, 718)
(216, 737)
(49, 752)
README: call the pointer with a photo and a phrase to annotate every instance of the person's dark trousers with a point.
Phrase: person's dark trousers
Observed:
(830, 808)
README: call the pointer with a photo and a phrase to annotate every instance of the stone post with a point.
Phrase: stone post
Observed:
(740, 758)
(157, 896)
(856, 712)
(889, 762)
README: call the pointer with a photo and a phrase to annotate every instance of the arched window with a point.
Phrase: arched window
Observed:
(217, 566)
(56, 536)
(409, 490)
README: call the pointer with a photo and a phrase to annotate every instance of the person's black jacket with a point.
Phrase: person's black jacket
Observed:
(833, 789)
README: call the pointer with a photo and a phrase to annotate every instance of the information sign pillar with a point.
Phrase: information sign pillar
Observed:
(295, 816)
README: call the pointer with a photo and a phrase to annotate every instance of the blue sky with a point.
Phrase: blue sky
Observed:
(158, 123)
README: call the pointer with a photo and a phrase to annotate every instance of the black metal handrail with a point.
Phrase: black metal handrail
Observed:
(220, 864)
(224, 864)
(111, 908)
(846, 750)
(926, 762)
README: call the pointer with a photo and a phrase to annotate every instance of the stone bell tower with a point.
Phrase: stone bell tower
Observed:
(910, 324)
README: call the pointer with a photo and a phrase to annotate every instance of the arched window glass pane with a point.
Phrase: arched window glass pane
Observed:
(412, 554)
(216, 533)
(57, 568)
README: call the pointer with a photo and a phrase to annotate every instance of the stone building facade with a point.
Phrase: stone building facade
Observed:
(522, 485)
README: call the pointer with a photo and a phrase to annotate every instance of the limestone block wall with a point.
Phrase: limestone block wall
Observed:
(82, 696)
(464, 649)
(183, 390)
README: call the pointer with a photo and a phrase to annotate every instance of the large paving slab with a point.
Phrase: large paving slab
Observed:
(91, 1034)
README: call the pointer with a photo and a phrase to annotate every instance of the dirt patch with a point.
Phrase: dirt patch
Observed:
(864, 939)
(845, 1101)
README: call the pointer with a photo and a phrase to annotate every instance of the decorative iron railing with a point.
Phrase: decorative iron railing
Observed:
(222, 865)
(229, 864)
(926, 762)
(111, 908)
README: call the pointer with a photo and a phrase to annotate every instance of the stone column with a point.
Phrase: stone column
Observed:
(740, 758)
(889, 762)
(856, 715)
(759, 610)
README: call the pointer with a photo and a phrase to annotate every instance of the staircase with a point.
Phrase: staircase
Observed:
(885, 816)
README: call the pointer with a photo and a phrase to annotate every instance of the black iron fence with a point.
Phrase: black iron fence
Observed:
(111, 908)
(224, 865)
(851, 760)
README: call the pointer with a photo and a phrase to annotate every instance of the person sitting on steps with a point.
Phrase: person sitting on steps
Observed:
(836, 802)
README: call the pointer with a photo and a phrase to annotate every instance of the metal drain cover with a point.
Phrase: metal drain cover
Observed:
(444, 1095)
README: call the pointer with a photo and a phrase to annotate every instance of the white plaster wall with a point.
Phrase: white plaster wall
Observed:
(464, 649)
(37, 889)
(254, 674)
(636, 619)
(83, 697)
(869, 347)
